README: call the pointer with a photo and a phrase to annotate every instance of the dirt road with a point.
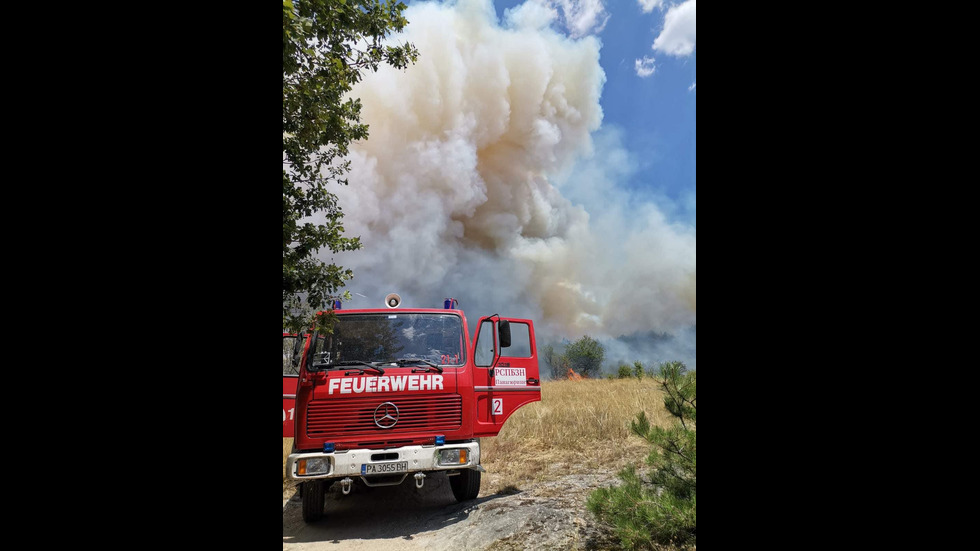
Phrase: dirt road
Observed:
(546, 515)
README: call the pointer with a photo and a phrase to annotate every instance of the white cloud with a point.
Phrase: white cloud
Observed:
(648, 5)
(692, 87)
(530, 15)
(580, 17)
(644, 67)
(680, 30)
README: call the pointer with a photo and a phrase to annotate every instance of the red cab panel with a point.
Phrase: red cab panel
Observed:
(292, 353)
(506, 374)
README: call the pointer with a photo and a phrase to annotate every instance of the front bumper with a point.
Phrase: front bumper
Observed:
(349, 463)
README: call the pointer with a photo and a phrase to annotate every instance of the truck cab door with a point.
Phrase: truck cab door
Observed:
(292, 353)
(506, 374)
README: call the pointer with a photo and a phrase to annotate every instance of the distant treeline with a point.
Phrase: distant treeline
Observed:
(591, 357)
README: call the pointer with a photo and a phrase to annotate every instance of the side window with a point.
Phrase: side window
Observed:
(321, 350)
(290, 357)
(484, 345)
(520, 341)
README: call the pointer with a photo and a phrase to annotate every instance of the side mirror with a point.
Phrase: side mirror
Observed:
(503, 329)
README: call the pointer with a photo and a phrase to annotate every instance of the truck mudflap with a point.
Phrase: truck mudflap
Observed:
(384, 467)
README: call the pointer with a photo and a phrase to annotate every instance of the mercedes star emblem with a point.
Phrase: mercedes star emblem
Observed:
(386, 415)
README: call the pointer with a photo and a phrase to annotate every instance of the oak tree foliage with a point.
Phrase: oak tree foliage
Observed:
(326, 45)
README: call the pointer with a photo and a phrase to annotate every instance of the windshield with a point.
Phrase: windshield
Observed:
(387, 338)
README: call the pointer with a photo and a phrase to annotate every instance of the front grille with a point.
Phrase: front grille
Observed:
(355, 416)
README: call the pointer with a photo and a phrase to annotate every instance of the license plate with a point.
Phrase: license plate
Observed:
(384, 468)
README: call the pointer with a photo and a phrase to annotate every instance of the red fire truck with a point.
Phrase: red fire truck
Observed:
(396, 392)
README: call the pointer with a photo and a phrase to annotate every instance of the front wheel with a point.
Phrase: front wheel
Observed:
(465, 485)
(312, 501)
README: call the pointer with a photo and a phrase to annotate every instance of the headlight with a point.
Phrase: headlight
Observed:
(312, 466)
(452, 457)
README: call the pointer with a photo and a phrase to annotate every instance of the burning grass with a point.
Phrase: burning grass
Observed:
(577, 427)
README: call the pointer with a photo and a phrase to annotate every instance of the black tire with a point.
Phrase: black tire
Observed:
(465, 485)
(312, 501)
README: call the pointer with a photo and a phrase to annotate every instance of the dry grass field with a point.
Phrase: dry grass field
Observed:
(577, 427)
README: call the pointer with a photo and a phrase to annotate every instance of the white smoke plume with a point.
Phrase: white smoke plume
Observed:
(487, 178)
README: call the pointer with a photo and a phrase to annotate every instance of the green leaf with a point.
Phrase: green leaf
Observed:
(318, 127)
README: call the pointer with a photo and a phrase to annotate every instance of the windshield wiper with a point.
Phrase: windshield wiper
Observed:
(339, 365)
(409, 361)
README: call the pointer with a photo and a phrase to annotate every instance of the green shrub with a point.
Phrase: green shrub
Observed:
(661, 507)
(585, 356)
(625, 371)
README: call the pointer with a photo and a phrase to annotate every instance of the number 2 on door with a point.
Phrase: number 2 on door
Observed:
(498, 406)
